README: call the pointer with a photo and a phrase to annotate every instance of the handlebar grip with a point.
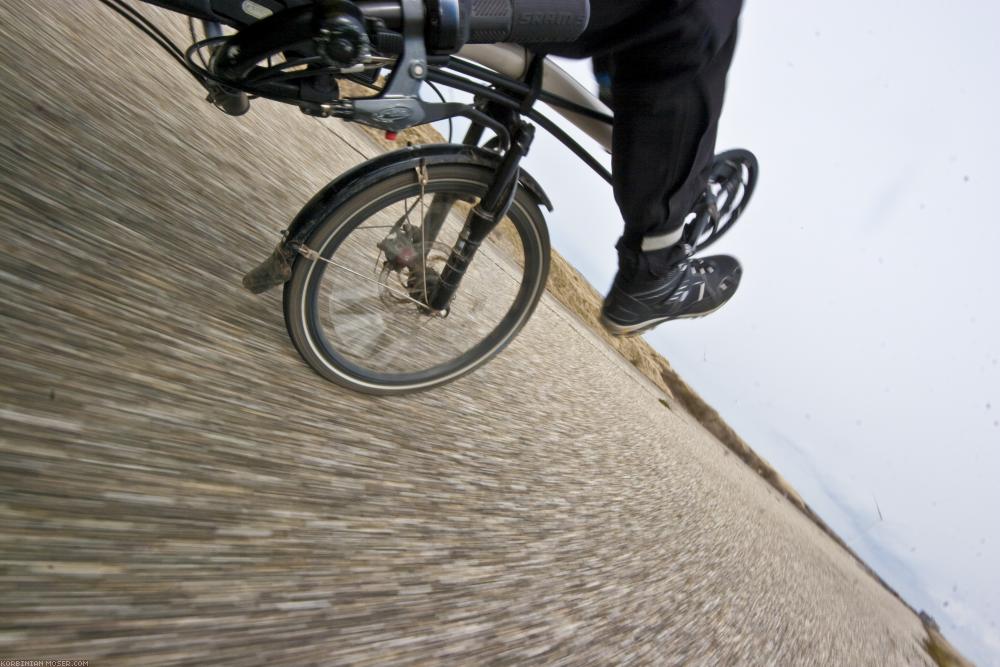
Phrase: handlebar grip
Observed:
(527, 21)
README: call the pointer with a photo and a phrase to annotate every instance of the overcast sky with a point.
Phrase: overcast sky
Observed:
(862, 354)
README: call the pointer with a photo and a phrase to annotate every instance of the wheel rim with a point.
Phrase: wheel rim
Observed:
(365, 332)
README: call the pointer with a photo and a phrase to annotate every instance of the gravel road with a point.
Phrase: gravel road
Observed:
(177, 487)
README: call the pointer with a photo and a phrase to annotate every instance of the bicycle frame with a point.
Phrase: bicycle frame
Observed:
(512, 61)
(505, 103)
(513, 79)
(507, 68)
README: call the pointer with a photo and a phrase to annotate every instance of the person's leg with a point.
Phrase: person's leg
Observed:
(667, 96)
(666, 61)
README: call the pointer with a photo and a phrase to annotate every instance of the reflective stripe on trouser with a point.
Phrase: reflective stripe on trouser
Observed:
(661, 241)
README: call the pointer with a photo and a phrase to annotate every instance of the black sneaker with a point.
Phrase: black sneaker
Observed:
(692, 287)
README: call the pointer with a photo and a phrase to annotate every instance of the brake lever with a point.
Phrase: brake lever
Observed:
(397, 107)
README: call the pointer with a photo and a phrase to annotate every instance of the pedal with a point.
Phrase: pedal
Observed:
(273, 271)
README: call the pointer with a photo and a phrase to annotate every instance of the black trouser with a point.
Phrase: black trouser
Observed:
(667, 61)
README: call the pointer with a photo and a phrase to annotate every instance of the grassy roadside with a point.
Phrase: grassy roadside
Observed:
(571, 289)
(939, 648)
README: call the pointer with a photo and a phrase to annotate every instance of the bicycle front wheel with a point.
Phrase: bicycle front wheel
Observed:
(356, 310)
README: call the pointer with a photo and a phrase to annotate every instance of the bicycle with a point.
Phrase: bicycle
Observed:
(381, 293)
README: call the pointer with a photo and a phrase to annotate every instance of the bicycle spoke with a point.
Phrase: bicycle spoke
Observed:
(422, 177)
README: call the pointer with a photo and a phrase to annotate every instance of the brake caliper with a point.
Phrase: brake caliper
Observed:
(399, 251)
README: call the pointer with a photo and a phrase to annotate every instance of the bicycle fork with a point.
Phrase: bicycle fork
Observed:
(484, 216)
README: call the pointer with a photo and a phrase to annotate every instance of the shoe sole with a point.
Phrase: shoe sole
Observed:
(630, 330)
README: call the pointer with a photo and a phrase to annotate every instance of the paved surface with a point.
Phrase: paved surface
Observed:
(176, 487)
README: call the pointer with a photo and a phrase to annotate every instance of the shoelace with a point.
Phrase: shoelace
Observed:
(702, 269)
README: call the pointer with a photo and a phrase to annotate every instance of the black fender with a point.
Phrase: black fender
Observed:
(358, 178)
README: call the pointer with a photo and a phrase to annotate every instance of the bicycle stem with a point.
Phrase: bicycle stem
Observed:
(484, 216)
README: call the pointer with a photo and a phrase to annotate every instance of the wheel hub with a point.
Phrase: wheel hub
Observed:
(404, 271)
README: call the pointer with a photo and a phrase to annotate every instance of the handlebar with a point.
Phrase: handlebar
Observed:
(454, 23)
(340, 35)
(527, 21)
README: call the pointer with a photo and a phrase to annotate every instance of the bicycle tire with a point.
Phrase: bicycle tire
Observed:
(339, 220)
